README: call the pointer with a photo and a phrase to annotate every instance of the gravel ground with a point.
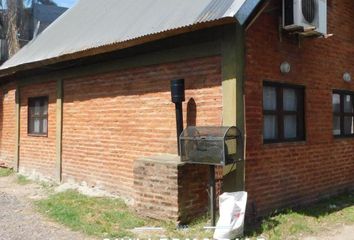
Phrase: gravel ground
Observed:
(337, 233)
(18, 218)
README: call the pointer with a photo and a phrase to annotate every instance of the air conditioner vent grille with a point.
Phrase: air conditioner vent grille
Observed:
(308, 10)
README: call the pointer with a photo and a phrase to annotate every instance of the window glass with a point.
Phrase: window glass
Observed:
(269, 98)
(348, 104)
(336, 102)
(289, 99)
(36, 125)
(45, 125)
(290, 127)
(283, 112)
(336, 125)
(38, 115)
(270, 127)
(348, 125)
(37, 107)
(343, 115)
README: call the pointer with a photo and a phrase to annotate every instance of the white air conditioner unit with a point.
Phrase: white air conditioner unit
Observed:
(305, 15)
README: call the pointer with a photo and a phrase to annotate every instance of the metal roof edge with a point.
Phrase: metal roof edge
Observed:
(246, 10)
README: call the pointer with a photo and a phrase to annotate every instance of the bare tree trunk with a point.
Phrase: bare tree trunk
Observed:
(13, 25)
(12, 21)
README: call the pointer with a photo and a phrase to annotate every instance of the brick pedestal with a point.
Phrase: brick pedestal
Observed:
(167, 189)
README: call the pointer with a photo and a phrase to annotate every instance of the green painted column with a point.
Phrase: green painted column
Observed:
(233, 63)
(17, 129)
(59, 130)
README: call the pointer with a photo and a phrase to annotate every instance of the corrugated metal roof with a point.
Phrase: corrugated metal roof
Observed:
(112, 24)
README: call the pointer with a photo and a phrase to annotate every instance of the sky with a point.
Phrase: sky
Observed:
(66, 3)
(61, 3)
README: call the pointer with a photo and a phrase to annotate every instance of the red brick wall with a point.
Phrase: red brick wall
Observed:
(193, 198)
(279, 175)
(110, 120)
(37, 153)
(165, 188)
(7, 125)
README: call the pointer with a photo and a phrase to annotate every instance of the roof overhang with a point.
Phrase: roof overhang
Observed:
(242, 17)
(114, 47)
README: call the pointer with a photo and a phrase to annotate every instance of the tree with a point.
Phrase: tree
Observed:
(12, 17)
(13, 21)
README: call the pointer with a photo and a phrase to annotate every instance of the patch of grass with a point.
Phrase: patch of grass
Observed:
(111, 218)
(103, 217)
(5, 172)
(195, 229)
(309, 220)
(22, 180)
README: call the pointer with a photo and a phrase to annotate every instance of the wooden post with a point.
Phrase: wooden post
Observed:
(212, 194)
(17, 130)
(233, 63)
(59, 130)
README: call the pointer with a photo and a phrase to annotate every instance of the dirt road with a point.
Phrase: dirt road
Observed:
(19, 218)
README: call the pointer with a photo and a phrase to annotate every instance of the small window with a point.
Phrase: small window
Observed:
(283, 112)
(38, 115)
(343, 113)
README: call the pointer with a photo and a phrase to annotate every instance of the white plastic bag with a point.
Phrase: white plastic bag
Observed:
(232, 208)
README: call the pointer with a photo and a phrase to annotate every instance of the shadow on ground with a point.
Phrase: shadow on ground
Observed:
(321, 209)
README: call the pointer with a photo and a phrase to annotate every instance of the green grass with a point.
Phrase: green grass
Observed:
(193, 230)
(309, 220)
(111, 218)
(101, 217)
(22, 180)
(5, 172)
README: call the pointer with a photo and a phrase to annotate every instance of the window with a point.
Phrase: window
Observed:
(38, 115)
(283, 112)
(343, 113)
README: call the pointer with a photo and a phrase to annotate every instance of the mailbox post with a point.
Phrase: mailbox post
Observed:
(212, 194)
(177, 96)
(213, 146)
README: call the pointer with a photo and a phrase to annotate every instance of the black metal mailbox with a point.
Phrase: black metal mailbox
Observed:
(209, 145)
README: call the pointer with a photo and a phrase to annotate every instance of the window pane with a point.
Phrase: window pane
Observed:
(348, 125)
(289, 99)
(336, 102)
(45, 107)
(269, 98)
(37, 107)
(38, 115)
(36, 125)
(348, 104)
(44, 125)
(270, 127)
(290, 126)
(336, 125)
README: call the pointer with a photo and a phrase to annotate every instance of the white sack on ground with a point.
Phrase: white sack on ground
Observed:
(232, 208)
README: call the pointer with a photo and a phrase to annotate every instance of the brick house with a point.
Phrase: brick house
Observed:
(95, 107)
